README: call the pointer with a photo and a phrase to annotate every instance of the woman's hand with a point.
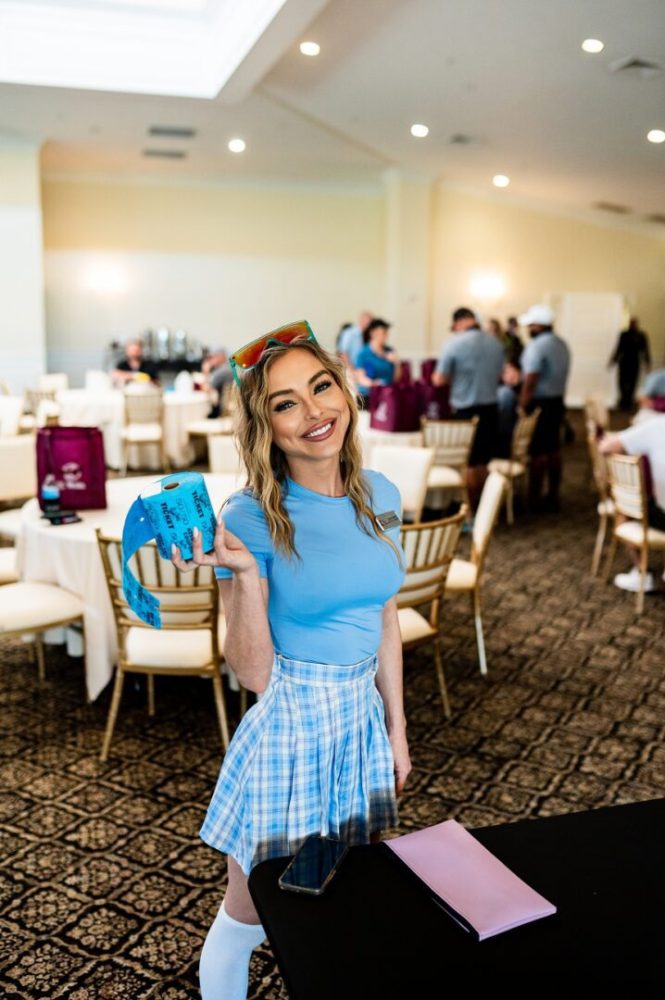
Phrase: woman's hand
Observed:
(400, 749)
(228, 551)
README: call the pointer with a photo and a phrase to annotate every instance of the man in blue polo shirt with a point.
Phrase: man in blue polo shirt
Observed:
(545, 366)
(471, 363)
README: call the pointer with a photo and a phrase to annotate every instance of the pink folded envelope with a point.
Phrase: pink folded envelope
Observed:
(469, 880)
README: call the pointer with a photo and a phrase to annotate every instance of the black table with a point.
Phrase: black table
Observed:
(377, 933)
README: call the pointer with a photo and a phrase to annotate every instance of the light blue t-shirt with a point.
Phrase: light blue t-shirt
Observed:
(327, 605)
(549, 357)
(351, 343)
(654, 384)
(473, 361)
(375, 367)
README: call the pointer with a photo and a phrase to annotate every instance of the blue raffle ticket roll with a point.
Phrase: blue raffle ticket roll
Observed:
(167, 511)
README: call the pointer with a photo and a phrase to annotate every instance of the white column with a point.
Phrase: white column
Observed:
(22, 328)
(408, 247)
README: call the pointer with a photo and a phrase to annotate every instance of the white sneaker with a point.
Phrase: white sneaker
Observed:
(631, 581)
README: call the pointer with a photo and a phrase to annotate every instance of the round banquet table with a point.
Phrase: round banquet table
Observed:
(85, 408)
(68, 555)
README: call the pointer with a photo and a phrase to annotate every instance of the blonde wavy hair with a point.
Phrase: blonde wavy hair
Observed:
(266, 464)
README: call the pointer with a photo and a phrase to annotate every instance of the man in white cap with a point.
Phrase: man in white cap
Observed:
(545, 366)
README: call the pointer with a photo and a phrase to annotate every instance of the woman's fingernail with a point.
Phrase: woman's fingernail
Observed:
(220, 519)
(174, 549)
(196, 532)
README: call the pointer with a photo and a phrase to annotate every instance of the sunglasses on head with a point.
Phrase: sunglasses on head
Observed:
(249, 356)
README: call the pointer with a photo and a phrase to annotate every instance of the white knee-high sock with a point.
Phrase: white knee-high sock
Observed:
(224, 963)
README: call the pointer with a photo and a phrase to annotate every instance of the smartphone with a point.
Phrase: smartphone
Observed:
(313, 865)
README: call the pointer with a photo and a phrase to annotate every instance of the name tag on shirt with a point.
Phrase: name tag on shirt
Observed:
(388, 520)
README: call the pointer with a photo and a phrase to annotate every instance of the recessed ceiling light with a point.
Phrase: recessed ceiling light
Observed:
(656, 135)
(237, 145)
(593, 45)
(500, 181)
(419, 131)
(310, 48)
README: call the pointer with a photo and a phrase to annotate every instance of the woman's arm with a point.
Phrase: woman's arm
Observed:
(248, 646)
(389, 683)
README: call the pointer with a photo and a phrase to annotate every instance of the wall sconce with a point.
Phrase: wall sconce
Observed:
(104, 278)
(487, 286)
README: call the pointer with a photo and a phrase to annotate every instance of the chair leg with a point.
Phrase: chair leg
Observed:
(610, 558)
(644, 566)
(598, 548)
(113, 713)
(165, 459)
(221, 708)
(438, 660)
(39, 652)
(243, 700)
(480, 639)
(151, 694)
(510, 514)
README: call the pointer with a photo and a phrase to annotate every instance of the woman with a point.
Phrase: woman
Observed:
(376, 364)
(308, 579)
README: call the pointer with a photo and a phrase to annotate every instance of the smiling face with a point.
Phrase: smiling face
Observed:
(309, 414)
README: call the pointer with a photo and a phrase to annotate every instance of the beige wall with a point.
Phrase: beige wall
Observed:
(223, 263)
(539, 255)
(22, 338)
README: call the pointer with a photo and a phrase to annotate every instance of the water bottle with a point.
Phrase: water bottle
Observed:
(50, 495)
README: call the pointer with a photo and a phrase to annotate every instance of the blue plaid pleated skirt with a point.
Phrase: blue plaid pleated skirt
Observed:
(312, 756)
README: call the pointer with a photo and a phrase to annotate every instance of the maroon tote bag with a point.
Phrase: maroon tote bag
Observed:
(74, 456)
(394, 408)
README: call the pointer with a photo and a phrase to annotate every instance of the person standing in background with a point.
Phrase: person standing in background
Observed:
(631, 352)
(351, 341)
(471, 363)
(545, 367)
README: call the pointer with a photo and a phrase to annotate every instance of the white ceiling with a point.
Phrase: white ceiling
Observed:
(510, 74)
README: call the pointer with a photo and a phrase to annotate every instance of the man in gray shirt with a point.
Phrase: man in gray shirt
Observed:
(545, 366)
(471, 364)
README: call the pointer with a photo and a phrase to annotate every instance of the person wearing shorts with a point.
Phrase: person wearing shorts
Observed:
(471, 363)
(545, 367)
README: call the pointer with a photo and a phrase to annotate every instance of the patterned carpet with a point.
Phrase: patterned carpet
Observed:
(105, 890)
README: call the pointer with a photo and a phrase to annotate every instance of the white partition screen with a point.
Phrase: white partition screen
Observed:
(590, 323)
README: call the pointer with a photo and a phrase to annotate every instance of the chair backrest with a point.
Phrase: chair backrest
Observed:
(11, 408)
(627, 486)
(35, 397)
(143, 403)
(452, 440)
(408, 468)
(429, 548)
(53, 382)
(188, 600)
(223, 454)
(599, 467)
(18, 466)
(522, 434)
(486, 515)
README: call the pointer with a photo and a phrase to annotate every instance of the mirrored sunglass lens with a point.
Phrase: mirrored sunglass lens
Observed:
(249, 356)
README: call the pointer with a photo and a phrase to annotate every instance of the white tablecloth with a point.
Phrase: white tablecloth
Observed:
(68, 556)
(83, 408)
(369, 437)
